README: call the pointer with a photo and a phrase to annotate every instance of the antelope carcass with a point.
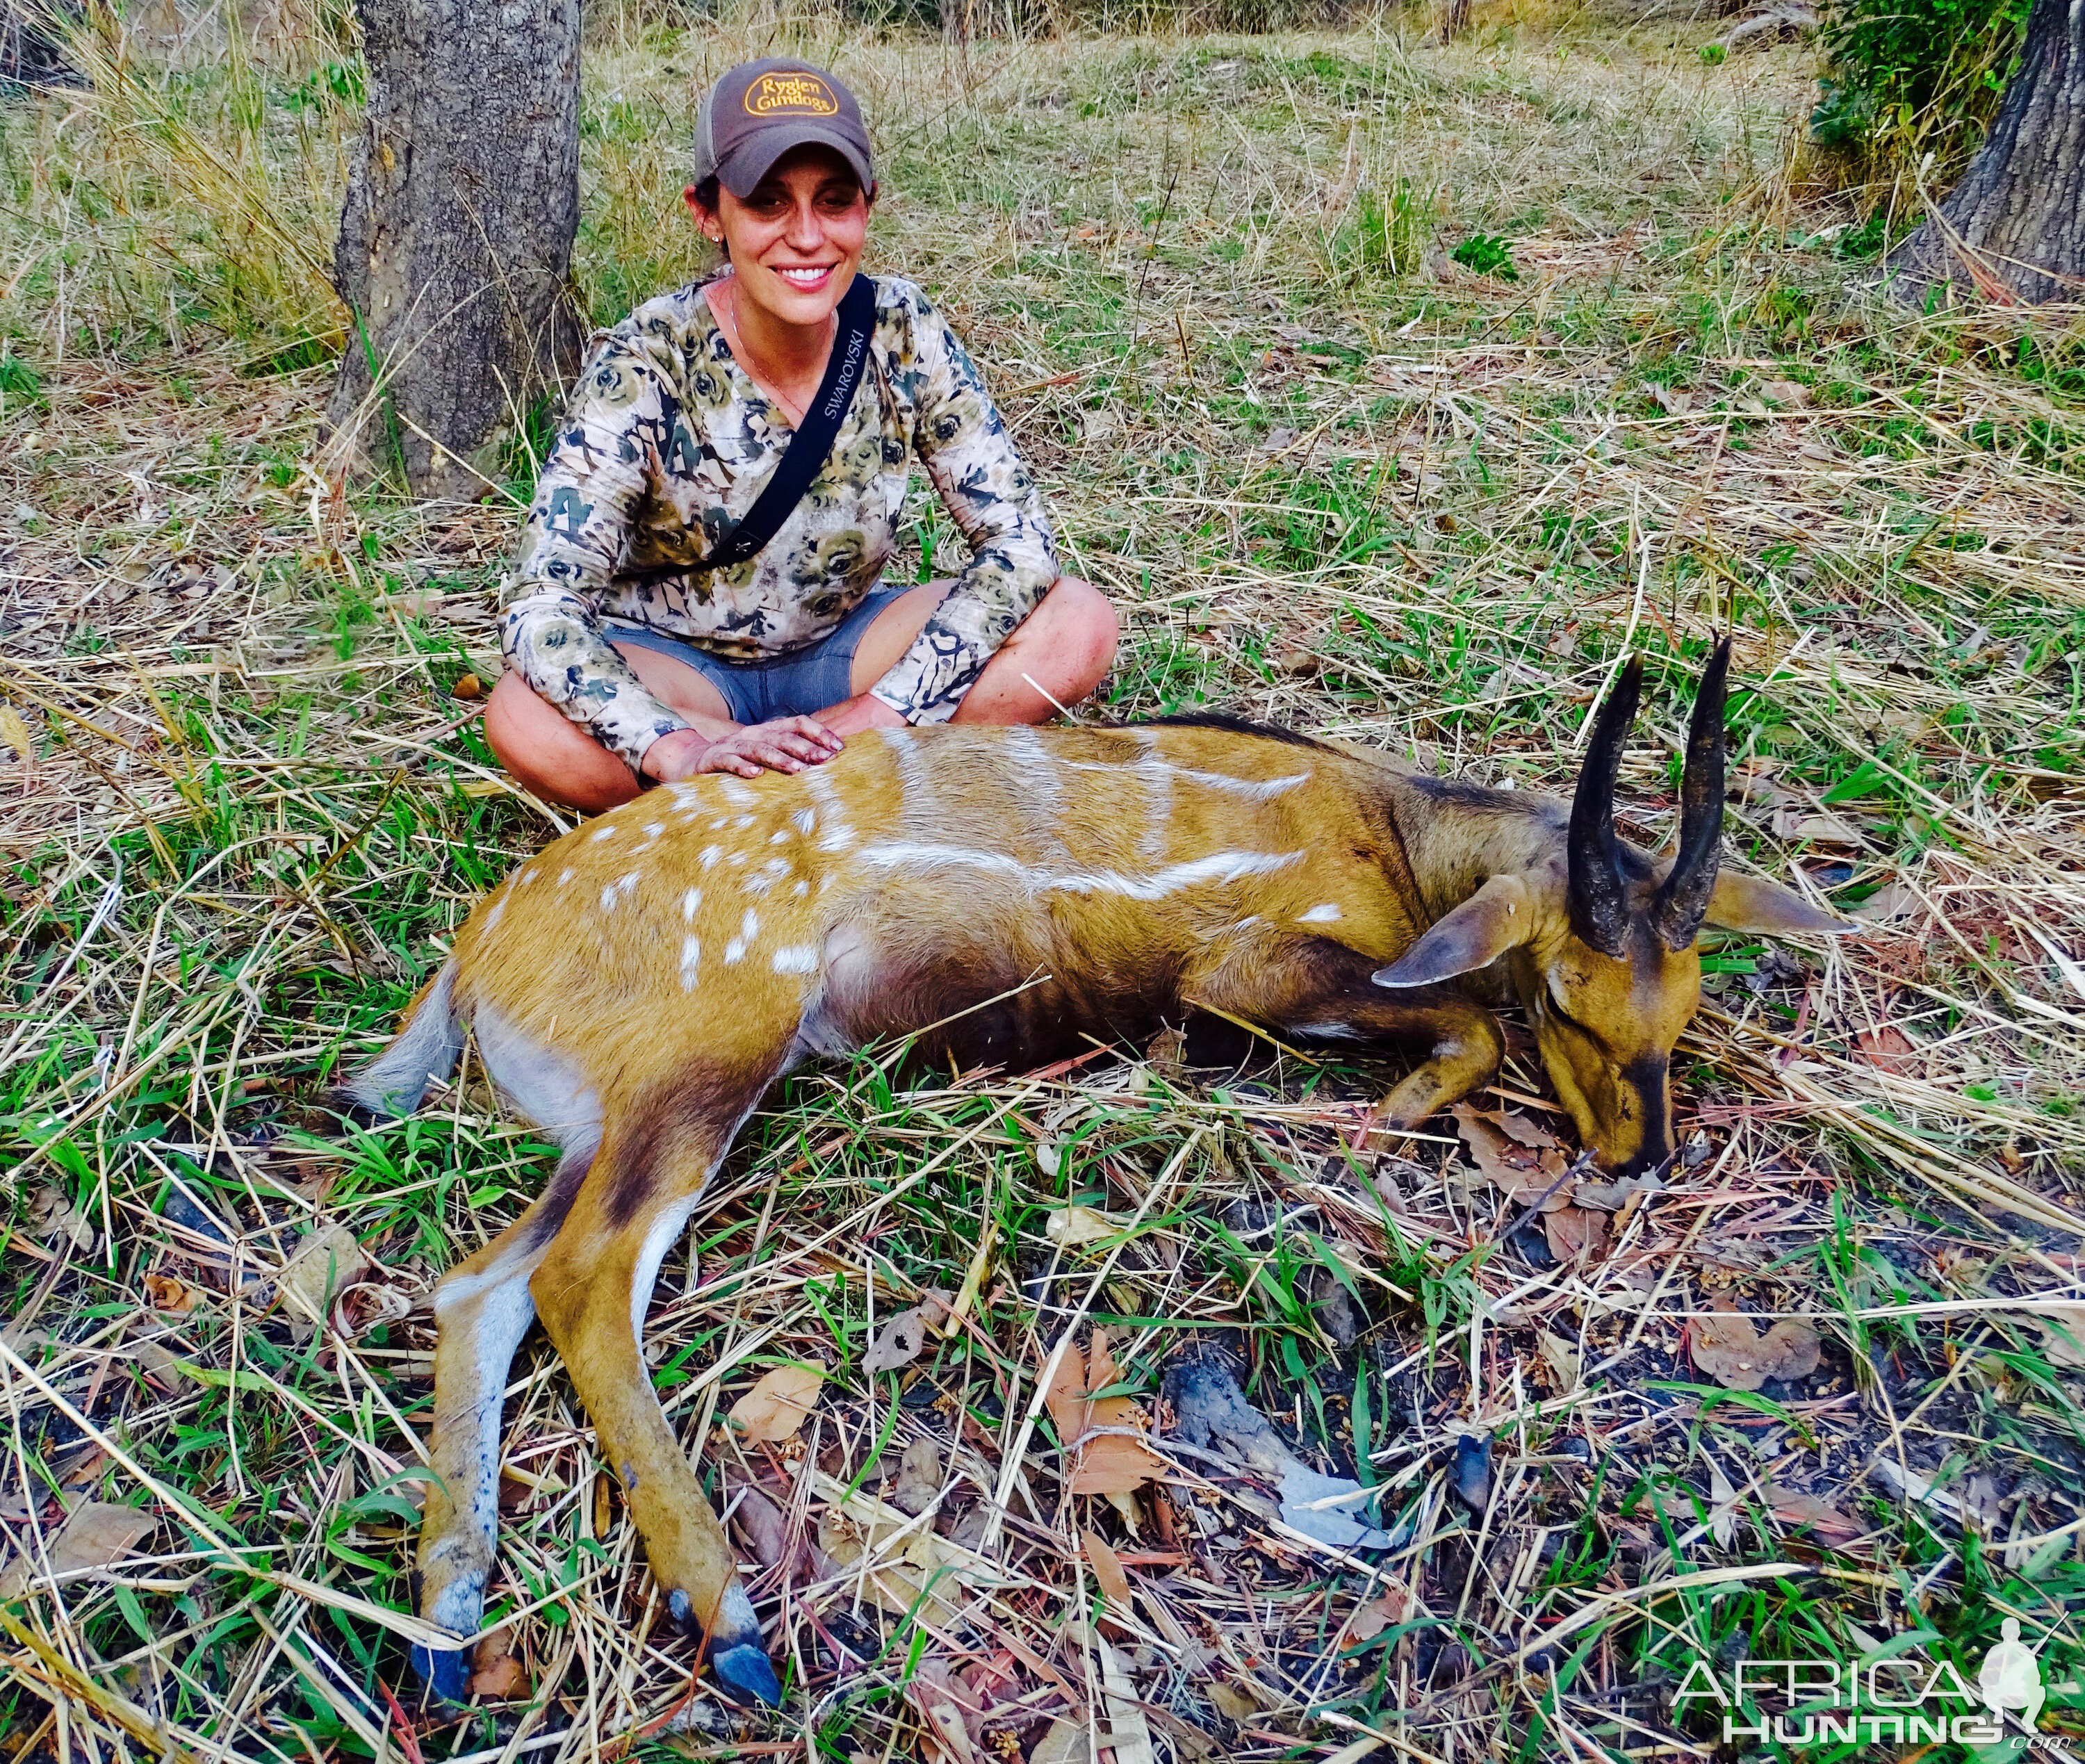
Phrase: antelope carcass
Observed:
(636, 987)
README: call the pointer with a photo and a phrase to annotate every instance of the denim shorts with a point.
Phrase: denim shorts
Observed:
(812, 678)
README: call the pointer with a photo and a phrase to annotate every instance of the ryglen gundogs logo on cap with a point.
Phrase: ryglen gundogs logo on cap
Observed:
(791, 94)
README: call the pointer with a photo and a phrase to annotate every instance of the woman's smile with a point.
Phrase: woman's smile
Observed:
(809, 276)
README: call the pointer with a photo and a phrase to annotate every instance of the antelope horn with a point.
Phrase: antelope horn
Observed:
(1682, 901)
(1599, 910)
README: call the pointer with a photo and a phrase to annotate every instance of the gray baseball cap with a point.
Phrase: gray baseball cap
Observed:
(759, 110)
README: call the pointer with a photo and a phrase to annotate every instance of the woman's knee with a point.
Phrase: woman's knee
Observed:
(1087, 629)
(545, 751)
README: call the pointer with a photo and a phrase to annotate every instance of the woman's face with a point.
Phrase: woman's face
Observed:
(797, 241)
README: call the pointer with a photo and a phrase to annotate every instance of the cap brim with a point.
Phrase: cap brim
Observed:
(741, 173)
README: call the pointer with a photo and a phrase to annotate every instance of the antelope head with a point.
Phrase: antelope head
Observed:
(1600, 937)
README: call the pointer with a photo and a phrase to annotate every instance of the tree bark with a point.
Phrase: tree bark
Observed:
(2015, 227)
(455, 241)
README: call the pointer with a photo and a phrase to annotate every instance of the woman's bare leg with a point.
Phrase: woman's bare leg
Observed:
(545, 752)
(1055, 657)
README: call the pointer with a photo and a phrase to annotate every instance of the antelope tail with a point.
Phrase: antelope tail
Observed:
(424, 1049)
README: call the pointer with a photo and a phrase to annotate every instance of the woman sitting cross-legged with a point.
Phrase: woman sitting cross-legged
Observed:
(642, 644)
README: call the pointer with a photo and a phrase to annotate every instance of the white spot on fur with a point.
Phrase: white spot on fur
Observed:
(738, 795)
(736, 857)
(734, 952)
(804, 820)
(1217, 867)
(691, 959)
(796, 959)
(623, 887)
(719, 822)
(708, 855)
(606, 833)
(1253, 789)
(779, 838)
(803, 887)
(566, 876)
(838, 836)
(653, 829)
(756, 885)
(498, 912)
(689, 902)
(748, 927)
(1323, 915)
(528, 875)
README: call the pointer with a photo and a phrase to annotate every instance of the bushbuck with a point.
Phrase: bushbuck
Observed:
(635, 987)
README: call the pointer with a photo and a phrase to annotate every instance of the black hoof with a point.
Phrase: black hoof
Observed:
(747, 1674)
(443, 1672)
(737, 1656)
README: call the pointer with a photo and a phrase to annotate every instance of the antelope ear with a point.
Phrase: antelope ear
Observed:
(1749, 903)
(1498, 916)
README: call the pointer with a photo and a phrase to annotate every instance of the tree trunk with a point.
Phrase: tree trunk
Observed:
(2015, 227)
(457, 237)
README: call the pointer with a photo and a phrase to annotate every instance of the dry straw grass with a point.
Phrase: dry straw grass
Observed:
(1334, 479)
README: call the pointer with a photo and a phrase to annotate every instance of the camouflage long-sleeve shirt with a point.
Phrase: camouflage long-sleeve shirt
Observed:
(665, 445)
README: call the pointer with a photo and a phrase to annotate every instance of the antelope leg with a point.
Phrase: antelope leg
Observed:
(1316, 987)
(592, 1291)
(482, 1310)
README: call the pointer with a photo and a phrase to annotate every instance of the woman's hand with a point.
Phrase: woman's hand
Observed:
(788, 744)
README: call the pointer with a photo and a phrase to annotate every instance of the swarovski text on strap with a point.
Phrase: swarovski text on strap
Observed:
(812, 443)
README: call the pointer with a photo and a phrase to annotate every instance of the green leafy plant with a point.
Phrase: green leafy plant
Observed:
(1487, 254)
(1906, 77)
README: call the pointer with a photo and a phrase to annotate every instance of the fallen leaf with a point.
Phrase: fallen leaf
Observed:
(53, 1219)
(1891, 901)
(2063, 1335)
(1233, 1702)
(1574, 1231)
(95, 1534)
(468, 687)
(1388, 1608)
(1819, 828)
(1067, 1742)
(1114, 1464)
(328, 1259)
(1562, 1358)
(1108, 1570)
(780, 1403)
(494, 1671)
(1613, 1196)
(1525, 1171)
(919, 1483)
(1792, 1508)
(935, 1697)
(15, 734)
(899, 1343)
(1525, 1130)
(1888, 1048)
(1069, 1227)
(899, 1562)
(1130, 1735)
(163, 1292)
(1727, 1347)
(506, 1678)
(1674, 401)
(1722, 1507)
(1788, 392)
